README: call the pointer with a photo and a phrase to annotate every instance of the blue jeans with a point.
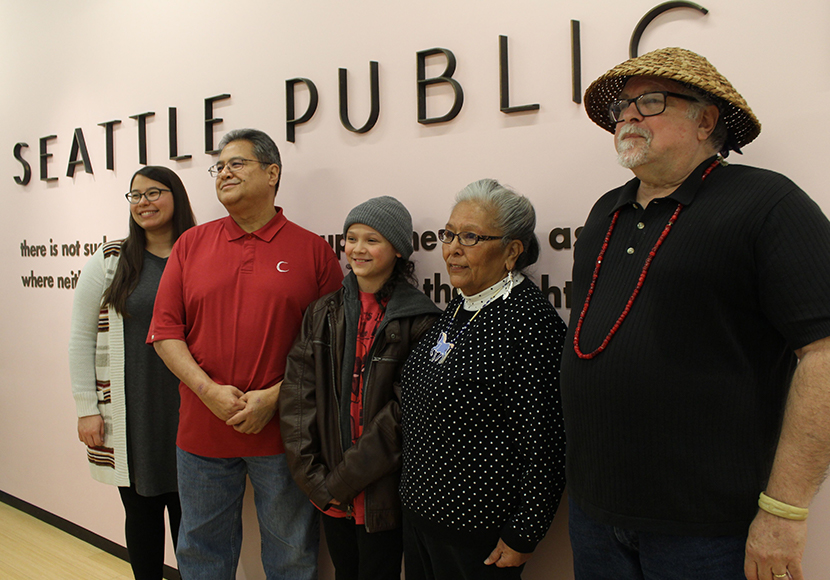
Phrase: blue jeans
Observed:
(210, 535)
(603, 552)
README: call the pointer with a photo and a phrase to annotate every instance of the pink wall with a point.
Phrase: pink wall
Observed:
(76, 65)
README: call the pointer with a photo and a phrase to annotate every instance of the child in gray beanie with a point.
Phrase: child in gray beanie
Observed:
(389, 217)
(339, 409)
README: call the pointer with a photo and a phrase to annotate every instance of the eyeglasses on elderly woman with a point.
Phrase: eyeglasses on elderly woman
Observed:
(464, 238)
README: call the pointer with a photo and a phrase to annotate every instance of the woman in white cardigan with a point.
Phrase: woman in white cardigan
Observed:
(126, 399)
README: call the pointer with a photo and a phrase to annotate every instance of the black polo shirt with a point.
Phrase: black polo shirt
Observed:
(673, 427)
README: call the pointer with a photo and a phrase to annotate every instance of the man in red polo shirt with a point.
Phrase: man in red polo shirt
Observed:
(228, 308)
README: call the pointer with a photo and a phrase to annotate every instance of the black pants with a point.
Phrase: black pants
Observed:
(359, 555)
(144, 528)
(429, 558)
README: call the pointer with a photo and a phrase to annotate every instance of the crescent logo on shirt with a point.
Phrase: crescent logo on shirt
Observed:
(282, 266)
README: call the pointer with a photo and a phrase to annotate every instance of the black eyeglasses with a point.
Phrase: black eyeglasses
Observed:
(152, 194)
(464, 238)
(233, 166)
(648, 104)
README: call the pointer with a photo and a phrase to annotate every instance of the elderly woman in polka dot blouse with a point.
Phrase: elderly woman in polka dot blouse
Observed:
(483, 438)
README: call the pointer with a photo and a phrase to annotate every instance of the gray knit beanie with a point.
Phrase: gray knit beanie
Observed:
(389, 217)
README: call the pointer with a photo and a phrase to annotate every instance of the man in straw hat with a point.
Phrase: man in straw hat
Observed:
(698, 287)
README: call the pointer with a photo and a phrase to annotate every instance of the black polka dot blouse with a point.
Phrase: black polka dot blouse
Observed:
(483, 436)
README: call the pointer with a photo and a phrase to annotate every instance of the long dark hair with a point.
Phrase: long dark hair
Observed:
(402, 272)
(132, 248)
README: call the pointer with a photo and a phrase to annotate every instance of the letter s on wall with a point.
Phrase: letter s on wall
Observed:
(27, 169)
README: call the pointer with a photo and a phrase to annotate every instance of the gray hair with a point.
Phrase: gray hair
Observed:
(720, 134)
(265, 150)
(514, 215)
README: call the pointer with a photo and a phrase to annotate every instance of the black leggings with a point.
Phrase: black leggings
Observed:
(359, 555)
(144, 528)
(427, 557)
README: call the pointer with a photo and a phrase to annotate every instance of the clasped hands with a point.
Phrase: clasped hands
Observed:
(246, 412)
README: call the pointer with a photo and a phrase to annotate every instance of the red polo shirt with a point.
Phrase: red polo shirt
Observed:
(238, 300)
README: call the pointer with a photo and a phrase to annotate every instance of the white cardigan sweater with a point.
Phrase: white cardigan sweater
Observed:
(96, 365)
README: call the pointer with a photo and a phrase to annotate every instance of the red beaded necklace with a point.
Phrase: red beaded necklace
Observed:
(640, 280)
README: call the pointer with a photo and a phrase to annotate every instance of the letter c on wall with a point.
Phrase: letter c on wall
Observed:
(634, 45)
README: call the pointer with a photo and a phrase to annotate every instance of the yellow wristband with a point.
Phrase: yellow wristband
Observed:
(781, 509)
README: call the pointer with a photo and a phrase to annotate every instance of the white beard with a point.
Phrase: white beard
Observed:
(632, 153)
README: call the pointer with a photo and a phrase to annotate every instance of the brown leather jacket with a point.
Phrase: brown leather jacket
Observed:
(315, 428)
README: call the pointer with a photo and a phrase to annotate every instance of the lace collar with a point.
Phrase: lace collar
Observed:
(500, 289)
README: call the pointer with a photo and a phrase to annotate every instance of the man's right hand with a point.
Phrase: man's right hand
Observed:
(224, 401)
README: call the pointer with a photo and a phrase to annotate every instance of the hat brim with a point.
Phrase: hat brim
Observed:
(682, 66)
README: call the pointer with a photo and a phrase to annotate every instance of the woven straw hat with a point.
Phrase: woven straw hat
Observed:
(682, 66)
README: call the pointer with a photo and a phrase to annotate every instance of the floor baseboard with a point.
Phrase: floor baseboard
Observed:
(77, 531)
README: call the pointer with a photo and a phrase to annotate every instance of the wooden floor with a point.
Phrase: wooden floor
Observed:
(33, 550)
